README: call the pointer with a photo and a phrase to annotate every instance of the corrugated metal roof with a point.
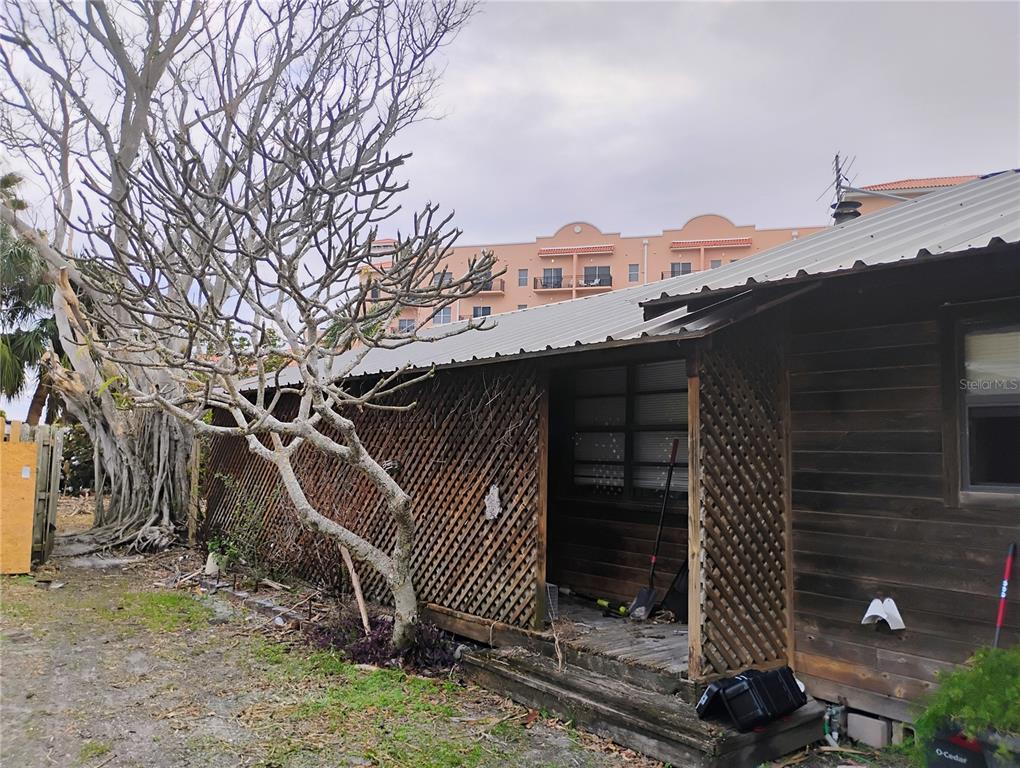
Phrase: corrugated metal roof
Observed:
(614, 316)
(969, 216)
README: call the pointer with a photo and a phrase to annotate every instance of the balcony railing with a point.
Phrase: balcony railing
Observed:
(496, 285)
(570, 282)
(670, 273)
(473, 317)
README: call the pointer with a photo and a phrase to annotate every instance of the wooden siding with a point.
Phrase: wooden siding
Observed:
(870, 517)
(470, 429)
(603, 550)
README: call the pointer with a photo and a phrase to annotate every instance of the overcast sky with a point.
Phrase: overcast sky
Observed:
(638, 116)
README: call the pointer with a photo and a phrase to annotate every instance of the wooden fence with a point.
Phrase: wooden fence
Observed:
(739, 506)
(471, 430)
(30, 459)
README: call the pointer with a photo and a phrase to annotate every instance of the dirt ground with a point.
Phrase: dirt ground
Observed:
(101, 667)
(110, 670)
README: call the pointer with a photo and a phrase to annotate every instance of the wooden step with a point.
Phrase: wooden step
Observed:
(662, 726)
(633, 673)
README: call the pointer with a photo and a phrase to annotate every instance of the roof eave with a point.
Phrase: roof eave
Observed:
(923, 256)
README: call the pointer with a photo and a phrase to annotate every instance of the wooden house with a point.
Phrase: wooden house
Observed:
(850, 407)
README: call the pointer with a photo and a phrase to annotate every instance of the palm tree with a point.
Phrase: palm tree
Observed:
(27, 329)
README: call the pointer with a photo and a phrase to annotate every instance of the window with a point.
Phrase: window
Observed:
(373, 292)
(552, 277)
(485, 280)
(715, 263)
(481, 311)
(405, 325)
(678, 268)
(522, 306)
(633, 273)
(597, 276)
(989, 418)
(522, 278)
(442, 278)
(443, 316)
(624, 422)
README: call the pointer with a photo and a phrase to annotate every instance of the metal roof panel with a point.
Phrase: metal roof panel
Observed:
(971, 215)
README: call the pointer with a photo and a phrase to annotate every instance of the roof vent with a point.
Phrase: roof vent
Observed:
(845, 210)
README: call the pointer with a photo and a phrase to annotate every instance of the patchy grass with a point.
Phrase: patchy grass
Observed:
(16, 597)
(160, 611)
(368, 694)
(383, 715)
(409, 746)
(90, 750)
(15, 611)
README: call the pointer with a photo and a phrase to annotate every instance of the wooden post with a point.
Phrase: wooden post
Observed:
(694, 572)
(359, 596)
(194, 495)
(41, 502)
(56, 438)
(542, 501)
(787, 449)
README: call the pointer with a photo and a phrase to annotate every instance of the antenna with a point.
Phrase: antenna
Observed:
(843, 210)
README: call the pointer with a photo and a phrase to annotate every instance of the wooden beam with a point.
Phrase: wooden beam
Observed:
(695, 577)
(494, 633)
(787, 449)
(194, 494)
(542, 501)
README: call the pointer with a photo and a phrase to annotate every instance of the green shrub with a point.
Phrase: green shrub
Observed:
(984, 695)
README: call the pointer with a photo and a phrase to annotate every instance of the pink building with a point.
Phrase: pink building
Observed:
(878, 196)
(579, 259)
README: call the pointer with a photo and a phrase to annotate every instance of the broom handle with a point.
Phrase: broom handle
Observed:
(1010, 555)
(662, 512)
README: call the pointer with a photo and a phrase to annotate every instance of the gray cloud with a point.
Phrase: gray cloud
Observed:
(638, 116)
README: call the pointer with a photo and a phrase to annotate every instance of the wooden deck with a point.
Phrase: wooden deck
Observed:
(661, 647)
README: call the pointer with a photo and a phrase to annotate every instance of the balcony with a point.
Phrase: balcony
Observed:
(494, 286)
(669, 273)
(573, 282)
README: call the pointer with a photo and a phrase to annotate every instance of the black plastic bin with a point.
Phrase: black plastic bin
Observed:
(753, 699)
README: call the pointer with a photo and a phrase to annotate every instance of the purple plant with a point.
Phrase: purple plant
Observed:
(431, 653)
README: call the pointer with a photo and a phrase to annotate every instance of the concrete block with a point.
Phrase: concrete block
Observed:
(902, 732)
(873, 731)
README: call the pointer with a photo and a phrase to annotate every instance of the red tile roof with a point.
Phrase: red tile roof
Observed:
(567, 250)
(724, 242)
(934, 181)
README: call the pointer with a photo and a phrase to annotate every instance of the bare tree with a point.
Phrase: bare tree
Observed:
(227, 224)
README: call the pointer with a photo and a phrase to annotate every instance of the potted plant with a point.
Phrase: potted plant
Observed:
(981, 702)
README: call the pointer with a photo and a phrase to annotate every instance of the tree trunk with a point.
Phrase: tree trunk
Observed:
(144, 455)
(35, 408)
(405, 614)
(405, 599)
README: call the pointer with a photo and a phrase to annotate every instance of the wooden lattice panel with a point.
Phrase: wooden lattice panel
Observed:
(469, 430)
(742, 591)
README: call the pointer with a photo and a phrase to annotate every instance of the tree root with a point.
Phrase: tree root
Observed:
(148, 538)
